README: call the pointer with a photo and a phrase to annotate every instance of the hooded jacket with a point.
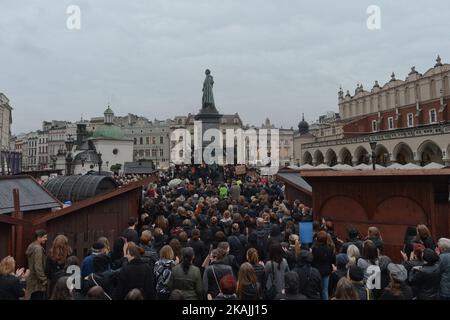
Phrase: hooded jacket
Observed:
(37, 280)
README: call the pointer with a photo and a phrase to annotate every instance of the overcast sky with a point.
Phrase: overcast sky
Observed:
(269, 58)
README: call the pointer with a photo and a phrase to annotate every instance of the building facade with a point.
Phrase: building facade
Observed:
(408, 121)
(42, 149)
(32, 152)
(5, 121)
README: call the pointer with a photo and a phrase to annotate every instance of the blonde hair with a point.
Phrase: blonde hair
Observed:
(353, 254)
(166, 252)
(7, 266)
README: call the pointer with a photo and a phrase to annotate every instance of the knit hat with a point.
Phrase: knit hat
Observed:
(398, 272)
(430, 257)
(97, 247)
(356, 273)
(341, 260)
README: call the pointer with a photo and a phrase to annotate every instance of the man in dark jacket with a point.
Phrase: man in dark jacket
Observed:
(214, 272)
(425, 279)
(135, 275)
(444, 267)
(238, 243)
(310, 281)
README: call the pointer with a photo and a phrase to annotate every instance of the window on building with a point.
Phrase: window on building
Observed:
(135, 140)
(374, 125)
(147, 140)
(147, 153)
(391, 123)
(153, 140)
(161, 140)
(154, 153)
(161, 152)
(410, 120)
(433, 118)
(141, 140)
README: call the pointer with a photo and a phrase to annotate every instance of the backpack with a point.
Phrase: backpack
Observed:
(270, 294)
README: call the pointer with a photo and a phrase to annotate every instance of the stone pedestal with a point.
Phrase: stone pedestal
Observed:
(210, 119)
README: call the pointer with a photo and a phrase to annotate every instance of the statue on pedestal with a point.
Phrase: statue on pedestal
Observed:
(208, 98)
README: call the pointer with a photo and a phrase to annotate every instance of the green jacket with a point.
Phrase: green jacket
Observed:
(223, 192)
(37, 280)
(190, 284)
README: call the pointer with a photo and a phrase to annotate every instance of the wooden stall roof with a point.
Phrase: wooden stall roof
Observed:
(32, 195)
(294, 178)
(12, 220)
(376, 173)
(94, 200)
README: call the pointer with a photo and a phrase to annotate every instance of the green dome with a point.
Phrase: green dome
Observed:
(108, 131)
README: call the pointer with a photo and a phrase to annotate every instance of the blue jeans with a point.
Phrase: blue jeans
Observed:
(325, 282)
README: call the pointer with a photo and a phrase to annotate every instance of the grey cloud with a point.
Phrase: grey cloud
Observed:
(271, 58)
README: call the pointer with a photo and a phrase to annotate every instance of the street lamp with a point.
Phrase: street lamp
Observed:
(100, 162)
(373, 145)
(69, 145)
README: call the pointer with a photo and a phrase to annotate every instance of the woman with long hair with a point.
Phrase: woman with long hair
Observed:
(345, 290)
(247, 285)
(56, 260)
(176, 247)
(275, 269)
(424, 236)
(258, 267)
(186, 277)
(323, 259)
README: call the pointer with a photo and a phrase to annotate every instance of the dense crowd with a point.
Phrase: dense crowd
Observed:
(207, 233)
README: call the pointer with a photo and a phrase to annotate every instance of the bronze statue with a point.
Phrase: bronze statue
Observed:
(208, 98)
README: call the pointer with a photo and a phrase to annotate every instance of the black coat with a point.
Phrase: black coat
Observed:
(310, 281)
(212, 275)
(425, 281)
(323, 258)
(260, 276)
(200, 251)
(11, 288)
(135, 275)
(238, 243)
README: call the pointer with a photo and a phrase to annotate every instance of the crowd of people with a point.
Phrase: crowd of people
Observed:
(205, 233)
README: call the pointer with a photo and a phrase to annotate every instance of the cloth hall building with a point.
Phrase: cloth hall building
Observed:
(407, 121)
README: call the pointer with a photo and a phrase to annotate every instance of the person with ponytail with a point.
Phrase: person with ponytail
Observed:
(186, 277)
